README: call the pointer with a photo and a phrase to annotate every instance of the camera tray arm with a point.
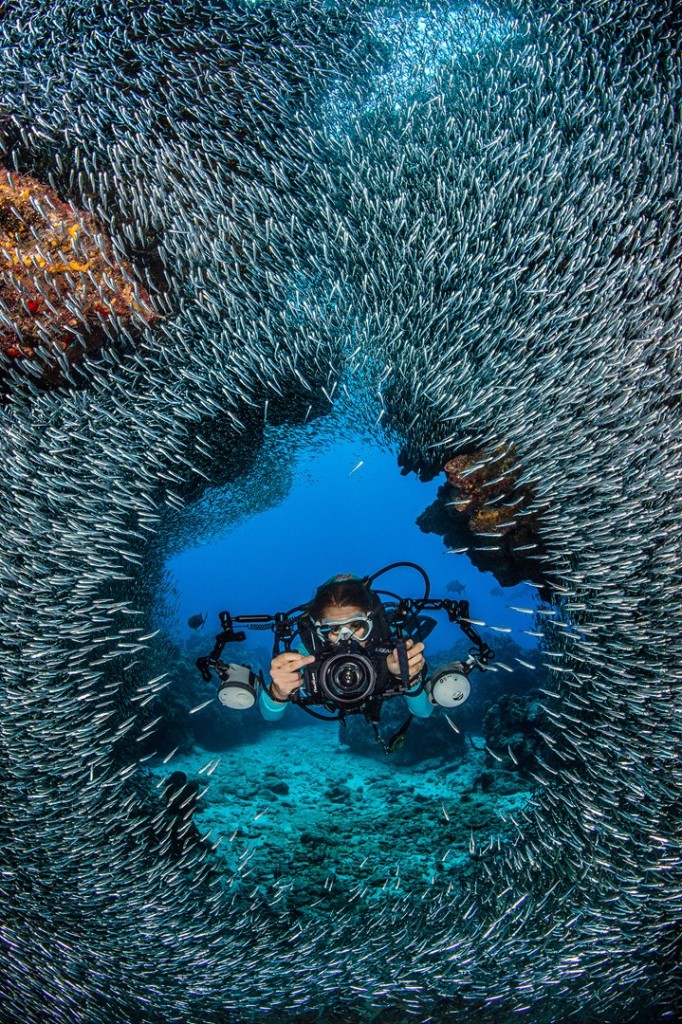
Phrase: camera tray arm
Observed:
(457, 612)
(284, 627)
(229, 635)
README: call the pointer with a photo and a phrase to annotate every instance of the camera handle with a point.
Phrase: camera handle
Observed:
(401, 651)
(457, 612)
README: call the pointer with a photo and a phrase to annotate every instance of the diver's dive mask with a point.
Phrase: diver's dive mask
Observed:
(353, 627)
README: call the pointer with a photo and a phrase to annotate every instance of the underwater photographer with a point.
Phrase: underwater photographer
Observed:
(344, 612)
(352, 654)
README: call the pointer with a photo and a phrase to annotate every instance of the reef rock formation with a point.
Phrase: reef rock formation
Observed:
(487, 510)
(514, 554)
(468, 216)
(510, 728)
(60, 281)
(486, 488)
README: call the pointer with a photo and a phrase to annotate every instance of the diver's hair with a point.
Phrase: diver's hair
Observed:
(345, 592)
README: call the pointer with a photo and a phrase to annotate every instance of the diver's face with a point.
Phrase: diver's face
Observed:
(341, 621)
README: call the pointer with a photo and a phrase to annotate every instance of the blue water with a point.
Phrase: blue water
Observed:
(421, 43)
(348, 509)
(254, 553)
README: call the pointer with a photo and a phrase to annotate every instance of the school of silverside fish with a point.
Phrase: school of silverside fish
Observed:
(471, 212)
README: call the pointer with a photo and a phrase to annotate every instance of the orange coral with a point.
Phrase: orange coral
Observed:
(60, 281)
(486, 489)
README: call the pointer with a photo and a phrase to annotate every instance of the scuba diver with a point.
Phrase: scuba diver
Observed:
(353, 653)
(343, 609)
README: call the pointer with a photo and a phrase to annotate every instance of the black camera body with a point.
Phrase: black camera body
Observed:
(347, 677)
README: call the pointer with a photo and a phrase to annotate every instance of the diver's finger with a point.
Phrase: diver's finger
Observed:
(293, 658)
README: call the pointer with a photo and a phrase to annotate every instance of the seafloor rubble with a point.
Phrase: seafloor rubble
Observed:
(315, 828)
(310, 817)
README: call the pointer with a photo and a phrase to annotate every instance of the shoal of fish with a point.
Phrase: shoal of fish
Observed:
(471, 212)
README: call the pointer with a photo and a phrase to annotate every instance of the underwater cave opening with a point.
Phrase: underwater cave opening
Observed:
(322, 499)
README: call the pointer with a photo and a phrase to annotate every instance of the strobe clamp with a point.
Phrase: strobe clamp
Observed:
(227, 635)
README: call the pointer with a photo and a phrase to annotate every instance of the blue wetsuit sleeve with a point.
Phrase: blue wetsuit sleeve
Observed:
(419, 704)
(272, 710)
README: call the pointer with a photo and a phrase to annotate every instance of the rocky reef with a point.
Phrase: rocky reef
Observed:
(485, 509)
(512, 728)
(486, 487)
(62, 288)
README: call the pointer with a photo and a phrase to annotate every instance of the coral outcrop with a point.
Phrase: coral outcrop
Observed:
(485, 507)
(488, 491)
(510, 728)
(61, 285)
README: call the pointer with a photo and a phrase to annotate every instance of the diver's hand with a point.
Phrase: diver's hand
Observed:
(285, 672)
(415, 659)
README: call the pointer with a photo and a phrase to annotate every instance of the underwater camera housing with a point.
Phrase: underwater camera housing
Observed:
(349, 677)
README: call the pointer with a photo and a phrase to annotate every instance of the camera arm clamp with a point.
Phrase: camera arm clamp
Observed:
(227, 635)
(457, 612)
